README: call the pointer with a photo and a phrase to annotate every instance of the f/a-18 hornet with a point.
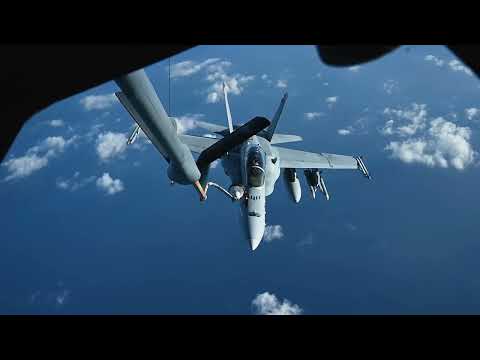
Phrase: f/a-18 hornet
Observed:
(247, 153)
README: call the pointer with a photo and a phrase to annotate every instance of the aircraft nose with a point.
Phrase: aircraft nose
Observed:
(256, 228)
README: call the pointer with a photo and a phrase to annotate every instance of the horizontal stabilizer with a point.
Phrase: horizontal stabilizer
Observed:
(230, 141)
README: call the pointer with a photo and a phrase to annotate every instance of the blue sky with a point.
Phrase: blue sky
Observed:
(91, 226)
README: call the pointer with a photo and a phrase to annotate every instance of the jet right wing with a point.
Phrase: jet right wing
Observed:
(290, 158)
(285, 138)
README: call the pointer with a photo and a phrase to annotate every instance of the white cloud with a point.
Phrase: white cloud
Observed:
(435, 60)
(344, 132)
(266, 78)
(313, 115)
(110, 185)
(217, 75)
(389, 86)
(187, 122)
(188, 68)
(37, 157)
(354, 68)
(471, 113)
(445, 144)
(388, 128)
(56, 123)
(273, 232)
(325, 83)
(74, 183)
(24, 166)
(268, 304)
(94, 130)
(98, 102)
(110, 145)
(415, 117)
(282, 84)
(62, 298)
(456, 65)
(331, 101)
(51, 298)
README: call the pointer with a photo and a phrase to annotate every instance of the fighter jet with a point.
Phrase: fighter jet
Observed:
(250, 158)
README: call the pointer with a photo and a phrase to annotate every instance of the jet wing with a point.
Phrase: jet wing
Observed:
(285, 138)
(209, 126)
(290, 158)
(197, 144)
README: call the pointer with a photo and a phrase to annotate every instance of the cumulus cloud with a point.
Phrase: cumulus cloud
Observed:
(24, 166)
(456, 65)
(217, 75)
(57, 297)
(74, 183)
(313, 115)
(268, 304)
(56, 123)
(414, 117)
(110, 145)
(98, 102)
(282, 84)
(273, 232)
(389, 86)
(188, 68)
(187, 122)
(435, 60)
(109, 185)
(472, 113)
(445, 144)
(354, 68)
(267, 79)
(331, 100)
(62, 298)
(37, 157)
(344, 132)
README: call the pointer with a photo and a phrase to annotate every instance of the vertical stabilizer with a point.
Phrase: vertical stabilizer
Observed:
(269, 132)
(227, 108)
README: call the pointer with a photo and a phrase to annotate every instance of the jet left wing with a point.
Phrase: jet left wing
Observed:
(197, 144)
(290, 158)
(209, 126)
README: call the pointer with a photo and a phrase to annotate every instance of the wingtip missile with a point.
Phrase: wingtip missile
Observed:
(362, 167)
(134, 135)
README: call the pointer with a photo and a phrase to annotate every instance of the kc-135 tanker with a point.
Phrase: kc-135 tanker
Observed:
(247, 153)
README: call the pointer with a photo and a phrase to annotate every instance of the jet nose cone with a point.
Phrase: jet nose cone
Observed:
(254, 242)
(256, 227)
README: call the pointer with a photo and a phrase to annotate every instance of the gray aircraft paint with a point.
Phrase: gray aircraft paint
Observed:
(143, 104)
